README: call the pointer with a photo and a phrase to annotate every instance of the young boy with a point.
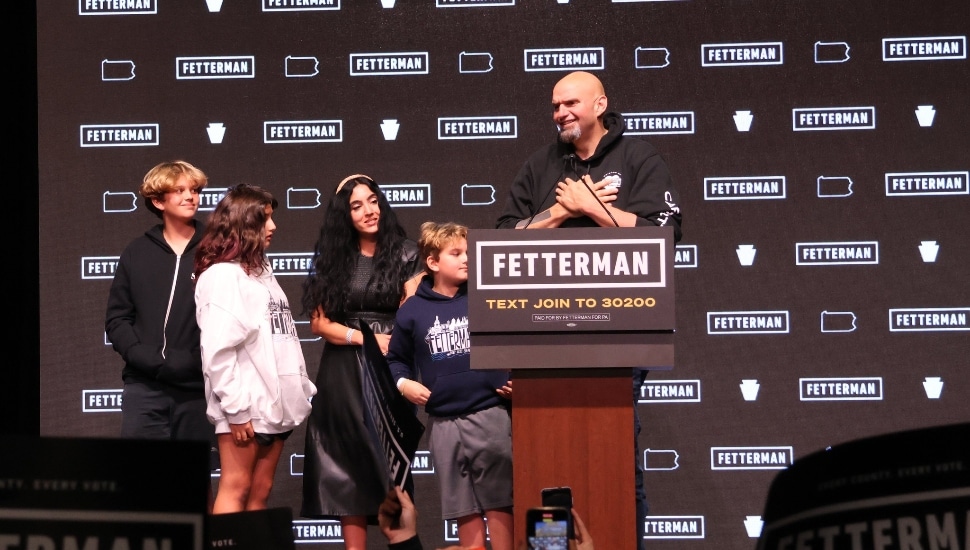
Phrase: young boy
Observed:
(471, 429)
(150, 317)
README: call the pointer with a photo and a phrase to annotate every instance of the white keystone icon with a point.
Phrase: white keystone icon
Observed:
(925, 115)
(928, 251)
(746, 253)
(743, 120)
(389, 128)
(749, 389)
(216, 131)
(933, 386)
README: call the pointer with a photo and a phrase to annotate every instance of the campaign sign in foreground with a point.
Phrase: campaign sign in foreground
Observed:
(900, 490)
(103, 493)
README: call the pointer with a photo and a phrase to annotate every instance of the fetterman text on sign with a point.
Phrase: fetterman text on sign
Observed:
(590, 279)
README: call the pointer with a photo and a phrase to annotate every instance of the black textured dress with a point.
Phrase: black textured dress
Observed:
(342, 475)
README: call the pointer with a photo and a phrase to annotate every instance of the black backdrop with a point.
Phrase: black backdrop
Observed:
(835, 210)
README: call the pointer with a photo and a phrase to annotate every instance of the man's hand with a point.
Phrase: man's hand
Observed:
(576, 198)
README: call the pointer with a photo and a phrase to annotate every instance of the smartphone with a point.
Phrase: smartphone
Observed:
(561, 497)
(557, 496)
(547, 528)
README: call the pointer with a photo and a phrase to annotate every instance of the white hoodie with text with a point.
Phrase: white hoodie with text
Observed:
(251, 356)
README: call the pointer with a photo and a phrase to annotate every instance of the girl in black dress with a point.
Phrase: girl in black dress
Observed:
(364, 268)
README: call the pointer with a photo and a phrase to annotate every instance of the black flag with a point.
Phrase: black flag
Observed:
(389, 417)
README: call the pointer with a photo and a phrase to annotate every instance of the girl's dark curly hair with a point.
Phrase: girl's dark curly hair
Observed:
(336, 251)
(235, 230)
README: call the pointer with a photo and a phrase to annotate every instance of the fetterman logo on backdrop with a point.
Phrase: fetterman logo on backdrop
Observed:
(732, 55)
(472, 3)
(673, 527)
(564, 59)
(317, 531)
(487, 127)
(99, 267)
(117, 7)
(119, 135)
(303, 131)
(685, 255)
(648, 124)
(837, 253)
(209, 197)
(670, 391)
(215, 67)
(744, 188)
(929, 319)
(927, 48)
(905, 184)
(840, 389)
(292, 263)
(403, 195)
(751, 458)
(422, 463)
(388, 64)
(833, 118)
(300, 5)
(747, 322)
(100, 401)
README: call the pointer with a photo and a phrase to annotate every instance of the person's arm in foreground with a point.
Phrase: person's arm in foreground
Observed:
(583, 539)
(398, 520)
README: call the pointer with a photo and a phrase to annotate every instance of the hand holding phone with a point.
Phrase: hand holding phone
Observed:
(584, 541)
(560, 497)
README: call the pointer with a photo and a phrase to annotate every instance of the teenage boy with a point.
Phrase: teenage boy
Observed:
(150, 317)
(471, 428)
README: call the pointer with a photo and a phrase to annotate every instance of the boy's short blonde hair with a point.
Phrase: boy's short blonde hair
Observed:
(435, 236)
(162, 179)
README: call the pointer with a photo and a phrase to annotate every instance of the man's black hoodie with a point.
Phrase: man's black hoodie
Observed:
(634, 165)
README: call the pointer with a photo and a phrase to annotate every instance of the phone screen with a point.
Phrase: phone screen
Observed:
(548, 531)
(550, 535)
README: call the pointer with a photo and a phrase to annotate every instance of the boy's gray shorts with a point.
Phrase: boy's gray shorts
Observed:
(473, 459)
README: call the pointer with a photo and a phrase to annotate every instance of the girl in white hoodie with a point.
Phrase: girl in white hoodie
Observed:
(256, 384)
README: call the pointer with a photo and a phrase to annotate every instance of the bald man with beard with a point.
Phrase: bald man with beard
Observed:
(628, 175)
(556, 187)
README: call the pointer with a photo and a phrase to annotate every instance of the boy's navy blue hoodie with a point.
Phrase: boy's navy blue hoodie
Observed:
(431, 338)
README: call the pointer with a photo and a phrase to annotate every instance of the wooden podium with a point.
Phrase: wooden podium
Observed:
(571, 311)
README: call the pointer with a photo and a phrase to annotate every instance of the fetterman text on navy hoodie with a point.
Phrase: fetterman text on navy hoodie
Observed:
(430, 343)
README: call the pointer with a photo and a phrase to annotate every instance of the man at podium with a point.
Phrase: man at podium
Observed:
(593, 176)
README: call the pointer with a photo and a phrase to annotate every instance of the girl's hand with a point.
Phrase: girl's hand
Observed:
(383, 340)
(242, 434)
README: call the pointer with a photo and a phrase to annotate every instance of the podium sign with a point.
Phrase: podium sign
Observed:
(571, 297)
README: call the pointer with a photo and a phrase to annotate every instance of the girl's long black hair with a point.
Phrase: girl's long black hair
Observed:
(337, 250)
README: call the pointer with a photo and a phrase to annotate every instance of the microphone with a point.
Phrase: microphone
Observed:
(565, 159)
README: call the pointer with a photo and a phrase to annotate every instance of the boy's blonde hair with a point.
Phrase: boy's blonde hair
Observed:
(162, 179)
(435, 236)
